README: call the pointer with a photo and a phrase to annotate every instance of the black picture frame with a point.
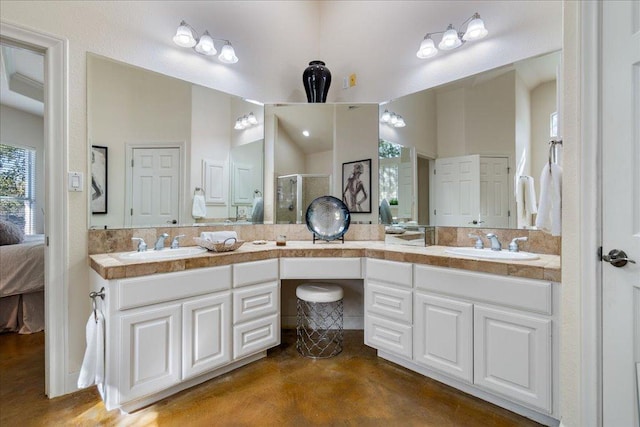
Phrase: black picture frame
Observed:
(356, 186)
(99, 183)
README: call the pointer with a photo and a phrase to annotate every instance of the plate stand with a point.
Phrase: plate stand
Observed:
(315, 237)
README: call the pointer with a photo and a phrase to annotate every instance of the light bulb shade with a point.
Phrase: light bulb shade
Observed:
(228, 55)
(245, 121)
(184, 36)
(238, 125)
(427, 48)
(400, 122)
(475, 30)
(450, 39)
(394, 119)
(252, 119)
(205, 45)
(386, 116)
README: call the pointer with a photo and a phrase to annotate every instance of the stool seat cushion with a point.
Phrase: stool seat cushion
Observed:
(319, 292)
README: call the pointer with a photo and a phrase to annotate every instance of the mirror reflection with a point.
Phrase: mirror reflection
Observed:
(170, 145)
(471, 151)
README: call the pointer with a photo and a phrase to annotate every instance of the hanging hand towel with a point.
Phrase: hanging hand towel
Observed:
(257, 212)
(199, 209)
(550, 208)
(218, 236)
(531, 205)
(92, 370)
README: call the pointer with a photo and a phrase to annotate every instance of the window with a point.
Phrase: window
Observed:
(389, 158)
(17, 186)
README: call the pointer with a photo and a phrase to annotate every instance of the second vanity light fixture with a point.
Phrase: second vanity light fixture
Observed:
(392, 119)
(452, 38)
(186, 36)
(245, 121)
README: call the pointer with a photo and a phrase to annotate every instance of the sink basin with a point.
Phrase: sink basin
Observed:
(164, 253)
(490, 254)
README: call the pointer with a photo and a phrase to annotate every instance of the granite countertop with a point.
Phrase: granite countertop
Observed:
(111, 266)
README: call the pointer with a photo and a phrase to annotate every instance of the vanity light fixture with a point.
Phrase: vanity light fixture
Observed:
(186, 36)
(306, 133)
(392, 119)
(452, 38)
(245, 121)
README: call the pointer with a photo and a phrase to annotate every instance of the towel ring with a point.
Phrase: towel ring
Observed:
(552, 152)
(257, 193)
(198, 190)
(94, 305)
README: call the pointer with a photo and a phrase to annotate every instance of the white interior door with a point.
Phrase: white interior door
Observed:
(494, 192)
(621, 211)
(155, 186)
(457, 190)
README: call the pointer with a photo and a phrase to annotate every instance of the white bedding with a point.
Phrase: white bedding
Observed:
(22, 285)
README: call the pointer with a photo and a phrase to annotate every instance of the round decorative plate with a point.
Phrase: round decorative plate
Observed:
(328, 218)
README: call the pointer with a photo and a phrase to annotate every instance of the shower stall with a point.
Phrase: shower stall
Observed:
(294, 193)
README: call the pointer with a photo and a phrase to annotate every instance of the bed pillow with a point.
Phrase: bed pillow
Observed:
(10, 234)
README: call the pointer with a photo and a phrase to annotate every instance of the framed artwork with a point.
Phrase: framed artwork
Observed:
(98, 179)
(356, 186)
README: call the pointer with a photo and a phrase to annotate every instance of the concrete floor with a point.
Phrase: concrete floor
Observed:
(355, 388)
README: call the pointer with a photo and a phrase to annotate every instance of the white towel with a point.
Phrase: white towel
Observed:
(218, 236)
(529, 190)
(257, 211)
(199, 209)
(550, 207)
(92, 370)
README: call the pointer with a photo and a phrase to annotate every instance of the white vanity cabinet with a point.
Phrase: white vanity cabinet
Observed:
(492, 331)
(256, 307)
(388, 306)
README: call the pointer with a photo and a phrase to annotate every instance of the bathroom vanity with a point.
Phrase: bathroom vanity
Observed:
(486, 327)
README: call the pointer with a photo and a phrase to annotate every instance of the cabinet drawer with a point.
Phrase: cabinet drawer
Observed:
(524, 294)
(320, 268)
(397, 273)
(395, 303)
(256, 301)
(255, 336)
(250, 273)
(387, 335)
(146, 290)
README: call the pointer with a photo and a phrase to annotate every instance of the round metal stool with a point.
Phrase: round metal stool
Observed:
(319, 323)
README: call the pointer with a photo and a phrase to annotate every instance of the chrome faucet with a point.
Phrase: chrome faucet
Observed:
(513, 246)
(495, 243)
(479, 243)
(175, 244)
(160, 242)
(142, 246)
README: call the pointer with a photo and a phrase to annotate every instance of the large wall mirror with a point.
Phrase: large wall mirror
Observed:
(165, 151)
(471, 151)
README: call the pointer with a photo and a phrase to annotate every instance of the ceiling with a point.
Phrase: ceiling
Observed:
(21, 79)
(317, 119)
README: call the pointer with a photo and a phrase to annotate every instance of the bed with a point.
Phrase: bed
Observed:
(22, 286)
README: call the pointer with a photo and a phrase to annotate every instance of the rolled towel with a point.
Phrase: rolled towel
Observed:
(385, 212)
(92, 370)
(199, 208)
(218, 236)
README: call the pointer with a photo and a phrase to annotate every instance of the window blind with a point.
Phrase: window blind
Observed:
(18, 186)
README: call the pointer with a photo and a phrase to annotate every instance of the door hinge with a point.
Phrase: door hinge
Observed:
(46, 241)
(131, 162)
(434, 211)
(600, 253)
(508, 213)
(508, 170)
(434, 171)
(131, 211)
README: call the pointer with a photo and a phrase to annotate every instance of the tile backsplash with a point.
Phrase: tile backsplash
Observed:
(119, 240)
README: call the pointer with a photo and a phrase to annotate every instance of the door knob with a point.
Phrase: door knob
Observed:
(172, 221)
(617, 258)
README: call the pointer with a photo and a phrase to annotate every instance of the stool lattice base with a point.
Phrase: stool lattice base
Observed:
(319, 329)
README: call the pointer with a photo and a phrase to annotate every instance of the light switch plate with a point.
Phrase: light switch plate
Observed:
(75, 181)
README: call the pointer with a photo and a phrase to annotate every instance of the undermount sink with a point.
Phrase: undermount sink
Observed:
(164, 253)
(491, 254)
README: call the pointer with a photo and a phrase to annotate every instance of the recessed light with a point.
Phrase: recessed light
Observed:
(305, 132)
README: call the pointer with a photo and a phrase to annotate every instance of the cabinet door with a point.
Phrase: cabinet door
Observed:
(443, 335)
(387, 335)
(512, 356)
(150, 351)
(206, 334)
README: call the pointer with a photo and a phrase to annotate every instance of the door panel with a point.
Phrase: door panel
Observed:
(457, 190)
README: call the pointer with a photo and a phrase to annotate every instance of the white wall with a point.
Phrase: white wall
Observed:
(26, 130)
(543, 103)
(523, 146)
(451, 118)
